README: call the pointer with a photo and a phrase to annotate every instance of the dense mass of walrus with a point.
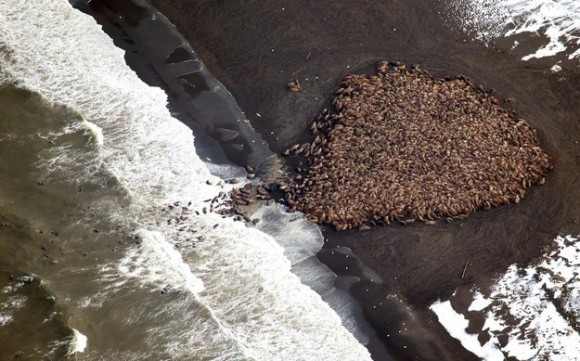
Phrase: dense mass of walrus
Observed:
(402, 145)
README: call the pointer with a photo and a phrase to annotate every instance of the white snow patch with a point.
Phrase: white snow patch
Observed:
(456, 324)
(479, 303)
(558, 21)
(534, 307)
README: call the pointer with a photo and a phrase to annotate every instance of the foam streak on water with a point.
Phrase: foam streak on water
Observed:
(558, 21)
(239, 275)
(78, 343)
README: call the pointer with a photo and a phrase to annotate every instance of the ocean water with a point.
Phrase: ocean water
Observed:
(103, 255)
(101, 192)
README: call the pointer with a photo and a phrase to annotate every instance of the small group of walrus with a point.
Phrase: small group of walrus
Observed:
(401, 145)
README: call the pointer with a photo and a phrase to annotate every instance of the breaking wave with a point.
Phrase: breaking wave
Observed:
(248, 303)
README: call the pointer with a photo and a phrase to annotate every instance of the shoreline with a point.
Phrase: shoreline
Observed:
(108, 171)
(127, 24)
(418, 263)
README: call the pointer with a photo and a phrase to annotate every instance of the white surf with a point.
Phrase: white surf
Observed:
(259, 309)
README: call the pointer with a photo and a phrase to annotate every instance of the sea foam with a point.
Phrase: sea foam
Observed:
(78, 343)
(239, 274)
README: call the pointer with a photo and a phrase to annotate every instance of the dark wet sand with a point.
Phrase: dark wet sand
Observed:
(255, 48)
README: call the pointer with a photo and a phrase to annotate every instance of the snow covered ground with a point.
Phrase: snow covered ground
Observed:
(531, 313)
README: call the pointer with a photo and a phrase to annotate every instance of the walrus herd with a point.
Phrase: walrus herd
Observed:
(402, 145)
